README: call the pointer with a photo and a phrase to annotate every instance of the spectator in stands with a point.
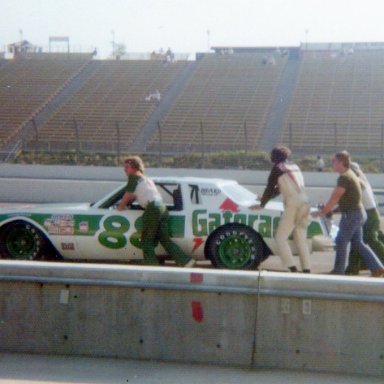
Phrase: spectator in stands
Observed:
(286, 178)
(155, 216)
(169, 56)
(347, 194)
(320, 164)
(372, 234)
(155, 96)
(271, 60)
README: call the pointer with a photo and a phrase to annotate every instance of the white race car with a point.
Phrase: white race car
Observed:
(209, 218)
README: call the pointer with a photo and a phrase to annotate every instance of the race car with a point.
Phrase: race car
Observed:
(209, 219)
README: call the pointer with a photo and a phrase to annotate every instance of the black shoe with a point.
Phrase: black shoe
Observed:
(351, 271)
(306, 271)
(292, 269)
(333, 272)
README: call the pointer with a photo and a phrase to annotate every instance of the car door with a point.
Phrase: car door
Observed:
(107, 234)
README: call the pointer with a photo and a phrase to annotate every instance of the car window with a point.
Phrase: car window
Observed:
(170, 193)
(113, 200)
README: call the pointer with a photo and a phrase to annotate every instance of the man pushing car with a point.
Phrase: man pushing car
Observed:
(155, 216)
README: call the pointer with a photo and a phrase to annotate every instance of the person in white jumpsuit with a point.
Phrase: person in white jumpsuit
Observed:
(286, 178)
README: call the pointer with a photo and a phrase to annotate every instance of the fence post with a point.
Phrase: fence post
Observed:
(245, 144)
(35, 129)
(77, 141)
(117, 143)
(335, 136)
(160, 144)
(202, 144)
(382, 148)
(36, 139)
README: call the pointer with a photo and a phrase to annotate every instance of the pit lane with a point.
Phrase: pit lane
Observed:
(290, 325)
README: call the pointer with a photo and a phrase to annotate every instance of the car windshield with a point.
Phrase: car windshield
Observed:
(239, 194)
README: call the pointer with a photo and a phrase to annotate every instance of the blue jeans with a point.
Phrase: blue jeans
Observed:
(351, 230)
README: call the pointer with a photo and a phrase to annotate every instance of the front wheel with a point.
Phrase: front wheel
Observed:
(21, 241)
(235, 246)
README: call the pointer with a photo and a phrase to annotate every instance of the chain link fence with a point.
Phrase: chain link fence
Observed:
(310, 139)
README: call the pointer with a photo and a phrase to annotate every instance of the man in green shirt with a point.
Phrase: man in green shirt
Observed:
(372, 234)
(155, 216)
(347, 195)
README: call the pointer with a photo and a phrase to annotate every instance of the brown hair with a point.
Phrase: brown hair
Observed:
(135, 162)
(279, 154)
(344, 157)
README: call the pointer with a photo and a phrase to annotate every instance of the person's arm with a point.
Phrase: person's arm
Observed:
(333, 200)
(127, 198)
(271, 190)
(129, 194)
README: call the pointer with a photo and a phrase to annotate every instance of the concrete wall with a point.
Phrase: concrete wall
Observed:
(249, 177)
(50, 184)
(248, 319)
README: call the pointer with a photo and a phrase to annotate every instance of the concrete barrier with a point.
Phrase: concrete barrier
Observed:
(50, 184)
(250, 319)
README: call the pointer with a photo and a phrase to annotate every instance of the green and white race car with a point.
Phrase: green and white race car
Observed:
(209, 218)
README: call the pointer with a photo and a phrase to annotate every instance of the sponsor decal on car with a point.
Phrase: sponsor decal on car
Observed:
(63, 225)
(67, 246)
(84, 227)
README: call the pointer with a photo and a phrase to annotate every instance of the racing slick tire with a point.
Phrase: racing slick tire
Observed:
(235, 246)
(23, 241)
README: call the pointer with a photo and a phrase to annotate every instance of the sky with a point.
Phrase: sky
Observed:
(189, 25)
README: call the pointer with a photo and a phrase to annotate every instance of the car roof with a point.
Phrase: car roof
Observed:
(192, 180)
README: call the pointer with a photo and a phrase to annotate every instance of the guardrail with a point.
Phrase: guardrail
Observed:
(248, 283)
(254, 319)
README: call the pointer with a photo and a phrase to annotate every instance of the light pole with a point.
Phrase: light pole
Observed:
(113, 43)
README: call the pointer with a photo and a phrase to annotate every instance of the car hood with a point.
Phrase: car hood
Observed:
(17, 207)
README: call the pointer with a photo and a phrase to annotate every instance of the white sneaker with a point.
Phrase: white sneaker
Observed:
(190, 264)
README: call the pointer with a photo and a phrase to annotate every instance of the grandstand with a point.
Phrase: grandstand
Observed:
(338, 102)
(225, 92)
(330, 98)
(114, 93)
(28, 83)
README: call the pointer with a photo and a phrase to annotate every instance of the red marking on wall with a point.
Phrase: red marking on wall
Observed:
(197, 311)
(196, 278)
(197, 241)
(229, 205)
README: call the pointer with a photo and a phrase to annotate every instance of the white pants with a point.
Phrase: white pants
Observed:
(294, 220)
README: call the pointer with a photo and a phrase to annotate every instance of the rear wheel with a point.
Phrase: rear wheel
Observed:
(22, 241)
(235, 246)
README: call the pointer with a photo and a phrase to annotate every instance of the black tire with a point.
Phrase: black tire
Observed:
(235, 246)
(22, 241)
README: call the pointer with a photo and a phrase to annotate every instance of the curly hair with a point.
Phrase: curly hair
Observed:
(135, 162)
(279, 154)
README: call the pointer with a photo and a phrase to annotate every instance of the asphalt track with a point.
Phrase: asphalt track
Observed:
(33, 369)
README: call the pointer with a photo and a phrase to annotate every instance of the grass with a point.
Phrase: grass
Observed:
(216, 160)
